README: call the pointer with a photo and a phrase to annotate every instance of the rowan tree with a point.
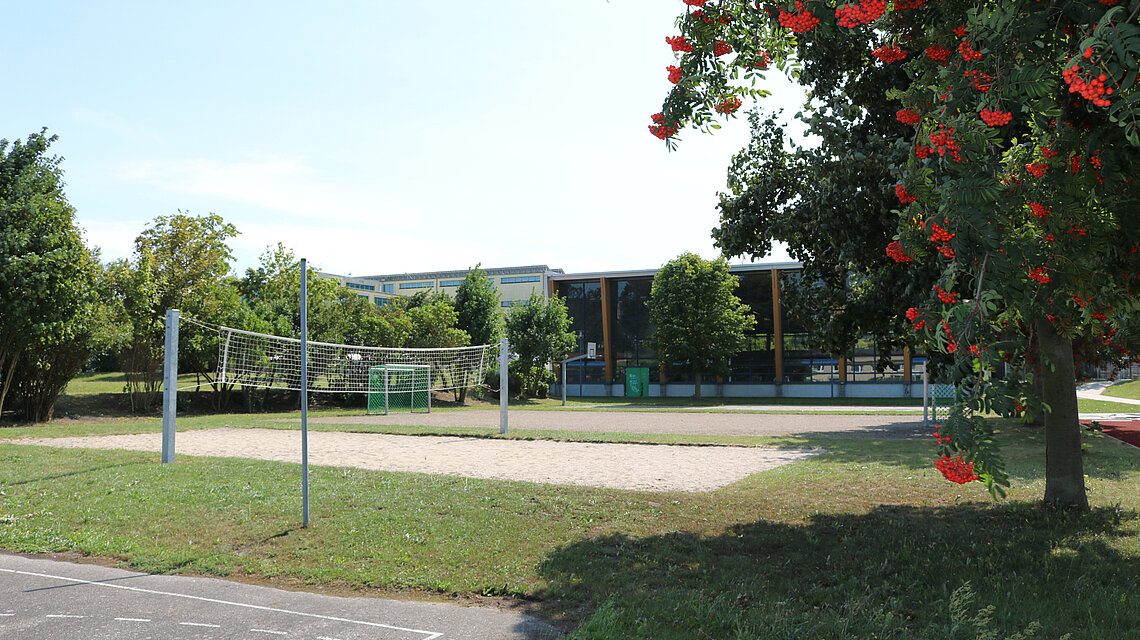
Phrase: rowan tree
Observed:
(1023, 133)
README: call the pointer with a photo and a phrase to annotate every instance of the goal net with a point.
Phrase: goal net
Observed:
(399, 387)
(260, 360)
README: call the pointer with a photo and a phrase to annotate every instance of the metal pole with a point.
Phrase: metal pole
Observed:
(304, 393)
(563, 367)
(170, 386)
(503, 385)
(925, 394)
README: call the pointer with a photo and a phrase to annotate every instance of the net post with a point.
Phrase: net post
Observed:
(225, 357)
(170, 386)
(385, 389)
(304, 395)
(925, 394)
(563, 368)
(503, 385)
(429, 388)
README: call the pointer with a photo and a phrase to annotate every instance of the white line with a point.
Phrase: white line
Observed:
(7, 614)
(61, 615)
(277, 633)
(200, 624)
(326, 638)
(429, 635)
(133, 619)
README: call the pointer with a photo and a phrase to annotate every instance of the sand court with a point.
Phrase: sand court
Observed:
(643, 467)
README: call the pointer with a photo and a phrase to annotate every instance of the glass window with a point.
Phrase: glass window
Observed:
(450, 283)
(360, 287)
(517, 279)
(417, 285)
(387, 288)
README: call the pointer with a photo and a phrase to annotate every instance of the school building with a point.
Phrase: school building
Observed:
(514, 284)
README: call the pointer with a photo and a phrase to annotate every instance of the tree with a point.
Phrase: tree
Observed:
(539, 332)
(1023, 135)
(479, 312)
(698, 320)
(47, 273)
(179, 262)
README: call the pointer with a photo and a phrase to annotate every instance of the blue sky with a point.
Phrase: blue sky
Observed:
(374, 137)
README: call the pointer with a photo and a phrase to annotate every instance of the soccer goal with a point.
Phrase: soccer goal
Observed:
(399, 387)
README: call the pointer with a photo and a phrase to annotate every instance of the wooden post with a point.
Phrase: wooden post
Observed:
(842, 369)
(607, 331)
(907, 364)
(778, 325)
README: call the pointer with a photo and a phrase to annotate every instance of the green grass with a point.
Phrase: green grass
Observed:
(1086, 405)
(1125, 389)
(866, 540)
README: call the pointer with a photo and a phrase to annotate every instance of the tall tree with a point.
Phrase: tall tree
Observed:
(539, 332)
(1023, 132)
(697, 318)
(47, 273)
(479, 312)
(178, 263)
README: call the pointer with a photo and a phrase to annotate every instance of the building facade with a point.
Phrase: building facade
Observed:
(609, 309)
(514, 284)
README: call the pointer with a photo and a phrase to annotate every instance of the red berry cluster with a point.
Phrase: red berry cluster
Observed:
(942, 236)
(960, 31)
(913, 314)
(937, 53)
(913, 4)
(1095, 162)
(799, 22)
(1091, 90)
(1037, 169)
(922, 151)
(946, 296)
(679, 43)
(720, 48)
(1074, 164)
(1048, 153)
(975, 351)
(700, 15)
(968, 54)
(1040, 274)
(889, 53)
(996, 118)
(979, 80)
(674, 74)
(956, 469)
(729, 106)
(763, 61)
(906, 116)
(696, 3)
(1039, 210)
(866, 12)
(895, 252)
(659, 128)
(943, 143)
(903, 196)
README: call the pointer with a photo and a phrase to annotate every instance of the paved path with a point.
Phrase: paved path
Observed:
(51, 600)
(1095, 391)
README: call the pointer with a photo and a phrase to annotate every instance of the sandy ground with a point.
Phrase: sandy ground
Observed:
(642, 467)
(691, 423)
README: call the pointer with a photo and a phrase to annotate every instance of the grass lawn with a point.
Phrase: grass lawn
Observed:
(866, 540)
(1125, 389)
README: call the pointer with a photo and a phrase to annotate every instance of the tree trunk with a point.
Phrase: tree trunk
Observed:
(697, 388)
(1064, 466)
(7, 381)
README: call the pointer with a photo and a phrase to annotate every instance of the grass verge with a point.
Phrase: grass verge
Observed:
(1125, 389)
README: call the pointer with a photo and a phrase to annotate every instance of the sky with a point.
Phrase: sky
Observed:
(375, 137)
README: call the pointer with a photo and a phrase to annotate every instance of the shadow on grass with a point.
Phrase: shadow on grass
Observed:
(889, 573)
(74, 472)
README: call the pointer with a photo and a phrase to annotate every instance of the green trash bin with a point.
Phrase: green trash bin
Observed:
(637, 382)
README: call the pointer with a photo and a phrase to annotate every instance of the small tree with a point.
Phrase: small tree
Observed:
(539, 332)
(480, 314)
(698, 318)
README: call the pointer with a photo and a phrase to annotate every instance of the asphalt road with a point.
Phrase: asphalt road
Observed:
(51, 600)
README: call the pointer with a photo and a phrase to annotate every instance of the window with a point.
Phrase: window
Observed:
(515, 303)
(417, 285)
(387, 288)
(360, 287)
(518, 279)
(450, 283)
(363, 296)
(381, 302)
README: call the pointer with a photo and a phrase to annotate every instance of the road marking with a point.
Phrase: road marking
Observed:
(428, 635)
(200, 624)
(326, 638)
(7, 614)
(278, 633)
(133, 619)
(62, 615)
